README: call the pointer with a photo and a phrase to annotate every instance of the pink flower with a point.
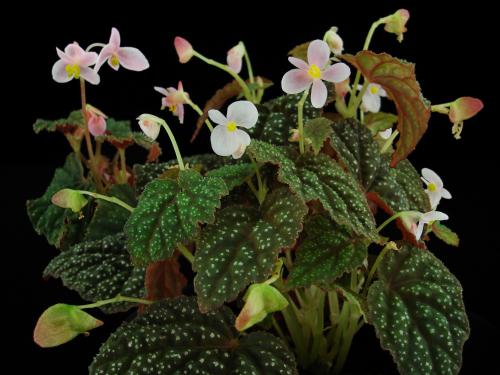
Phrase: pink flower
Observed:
(184, 49)
(313, 73)
(463, 109)
(96, 121)
(235, 57)
(74, 62)
(131, 58)
(174, 99)
(396, 23)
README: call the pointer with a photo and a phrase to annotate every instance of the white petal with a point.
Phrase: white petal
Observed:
(381, 92)
(336, 73)
(371, 102)
(161, 90)
(434, 198)
(59, 73)
(434, 216)
(432, 176)
(318, 53)
(217, 117)
(243, 113)
(319, 93)
(224, 143)
(445, 193)
(295, 81)
(420, 229)
(301, 64)
(386, 134)
(89, 75)
(150, 128)
(243, 137)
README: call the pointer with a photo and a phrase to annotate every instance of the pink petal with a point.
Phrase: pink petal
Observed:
(90, 75)
(336, 73)
(180, 87)
(234, 61)
(184, 49)
(114, 39)
(161, 90)
(63, 56)
(97, 125)
(74, 51)
(88, 58)
(318, 94)
(180, 112)
(464, 108)
(132, 59)
(59, 73)
(114, 67)
(301, 64)
(104, 55)
(318, 53)
(295, 81)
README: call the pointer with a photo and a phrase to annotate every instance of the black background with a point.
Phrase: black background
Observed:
(453, 50)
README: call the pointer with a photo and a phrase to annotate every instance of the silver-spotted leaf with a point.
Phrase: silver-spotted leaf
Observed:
(60, 226)
(173, 338)
(108, 217)
(242, 246)
(98, 270)
(169, 212)
(317, 131)
(417, 309)
(318, 177)
(233, 175)
(394, 189)
(326, 253)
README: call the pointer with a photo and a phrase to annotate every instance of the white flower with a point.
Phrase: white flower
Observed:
(150, 125)
(414, 221)
(385, 134)
(371, 98)
(226, 138)
(435, 189)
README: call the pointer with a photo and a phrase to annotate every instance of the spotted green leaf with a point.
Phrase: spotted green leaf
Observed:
(317, 131)
(173, 337)
(233, 175)
(326, 253)
(73, 121)
(169, 212)
(445, 234)
(397, 77)
(318, 177)
(108, 217)
(60, 226)
(117, 131)
(380, 121)
(394, 189)
(98, 270)
(242, 246)
(417, 309)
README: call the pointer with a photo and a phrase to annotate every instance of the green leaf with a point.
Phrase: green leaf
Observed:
(60, 226)
(397, 77)
(233, 175)
(394, 189)
(169, 212)
(379, 121)
(417, 309)
(172, 337)
(145, 173)
(108, 217)
(326, 253)
(300, 51)
(321, 178)
(445, 234)
(73, 121)
(242, 246)
(317, 131)
(99, 270)
(61, 323)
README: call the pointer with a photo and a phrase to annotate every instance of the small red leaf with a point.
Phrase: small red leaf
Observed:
(164, 279)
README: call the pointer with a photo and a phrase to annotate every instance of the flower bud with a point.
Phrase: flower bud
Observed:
(150, 125)
(68, 198)
(235, 57)
(334, 41)
(463, 109)
(184, 49)
(396, 23)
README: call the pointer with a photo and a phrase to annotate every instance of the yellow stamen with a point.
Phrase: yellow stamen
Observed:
(73, 70)
(314, 71)
(231, 126)
(115, 61)
(172, 108)
(432, 187)
(374, 89)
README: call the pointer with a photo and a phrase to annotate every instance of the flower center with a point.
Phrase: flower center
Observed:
(314, 71)
(115, 61)
(73, 70)
(374, 89)
(172, 108)
(432, 187)
(231, 126)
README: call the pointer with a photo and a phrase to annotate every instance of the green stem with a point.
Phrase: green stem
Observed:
(173, 141)
(94, 45)
(262, 192)
(278, 329)
(200, 112)
(244, 87)
(348, 334)
(300, 116)
(115, 300)
(123, 165)
(381, 256)
(108, 199)
(249, 64)
(185, 251)
(389, 141)
(353, 107)
(260, 90)
(443, 108)
(390, 220)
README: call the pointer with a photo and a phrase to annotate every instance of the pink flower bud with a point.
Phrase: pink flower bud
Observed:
(96, 124)
(463, 109)
(184, 49)
(396, 23)
(235, 57)
(68, 198)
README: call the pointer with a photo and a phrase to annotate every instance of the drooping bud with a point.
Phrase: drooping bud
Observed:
(463, 109)
(260, 300)
(334, 41)
(184, 49)
(68, 198)
(150, 125)
(396, 23)
(235, 57)
(61, 323)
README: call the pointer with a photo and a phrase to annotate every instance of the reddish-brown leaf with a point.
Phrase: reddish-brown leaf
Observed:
(397, 77)
(164, 279)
